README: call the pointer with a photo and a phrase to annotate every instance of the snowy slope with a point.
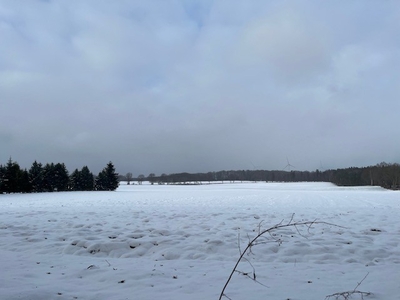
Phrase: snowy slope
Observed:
(181, 242)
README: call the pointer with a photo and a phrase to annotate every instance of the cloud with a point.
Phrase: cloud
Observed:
(288, 44)
(199, 85)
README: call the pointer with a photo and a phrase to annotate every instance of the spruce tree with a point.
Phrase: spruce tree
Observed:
(2, 177)
(107, 180)
(25, 185)
(87, 180)
(101, 182)
(60, 177)
(48, 178)
(112, 177)
(11, 177)
(75, 181)
(36, 177)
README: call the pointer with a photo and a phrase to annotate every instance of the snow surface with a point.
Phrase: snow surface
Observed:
(181, 242)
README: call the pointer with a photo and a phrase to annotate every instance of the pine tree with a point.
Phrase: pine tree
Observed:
(10, 177)
(2, 177)
(25, 185)
(36, 177)
(48, 178)
(112, 177)
(107, 180)
(101, 182)
(75, 181)
(60, 177)
(13, 179)
(87, 180)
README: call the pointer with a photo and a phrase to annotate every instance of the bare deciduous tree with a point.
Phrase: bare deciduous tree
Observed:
(129, 177)
(151, 178)
(140, 178)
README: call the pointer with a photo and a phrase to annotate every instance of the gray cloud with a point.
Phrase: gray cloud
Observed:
(195, 86)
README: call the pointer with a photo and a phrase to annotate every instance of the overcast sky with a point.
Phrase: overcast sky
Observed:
(196, 86)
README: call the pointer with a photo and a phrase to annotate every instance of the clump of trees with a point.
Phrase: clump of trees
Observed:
(82, 180)
(54, 178)
(383, 174)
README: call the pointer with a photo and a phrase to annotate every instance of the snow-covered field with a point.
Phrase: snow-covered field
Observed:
(181, 242)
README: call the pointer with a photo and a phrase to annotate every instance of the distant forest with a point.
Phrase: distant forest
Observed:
(55, 177)
(383, 174)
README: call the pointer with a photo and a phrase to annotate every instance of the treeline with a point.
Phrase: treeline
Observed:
(383, 174)
(54, 177)
(235, 175)
(232, 176)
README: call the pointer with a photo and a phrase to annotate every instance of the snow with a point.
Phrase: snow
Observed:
(181, 242)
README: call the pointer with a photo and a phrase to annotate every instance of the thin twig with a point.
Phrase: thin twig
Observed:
(251, 243)
(346, 295)
(247, 275)
(259, 226)
(359, 283)
(240, 250)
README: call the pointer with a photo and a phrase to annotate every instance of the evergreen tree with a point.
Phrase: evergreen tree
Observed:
(36, 177)
(14, 180)
(60, 177)
(11, 177)
(25, 185)
(87, 180)
(101, 182)
(75, 181)
(107, 180)
(2, 177)
(112, 177)
(82, 180)
(48, 178)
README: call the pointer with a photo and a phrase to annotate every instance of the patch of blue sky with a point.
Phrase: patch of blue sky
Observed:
(198, 11)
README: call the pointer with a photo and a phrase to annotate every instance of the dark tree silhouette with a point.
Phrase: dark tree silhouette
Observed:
(75, 181)
(13, 179)
(151, 178)
(107, 180)
(87, 179)
(140, 178)
(129, 177)
(60, 177)
(36, 177)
